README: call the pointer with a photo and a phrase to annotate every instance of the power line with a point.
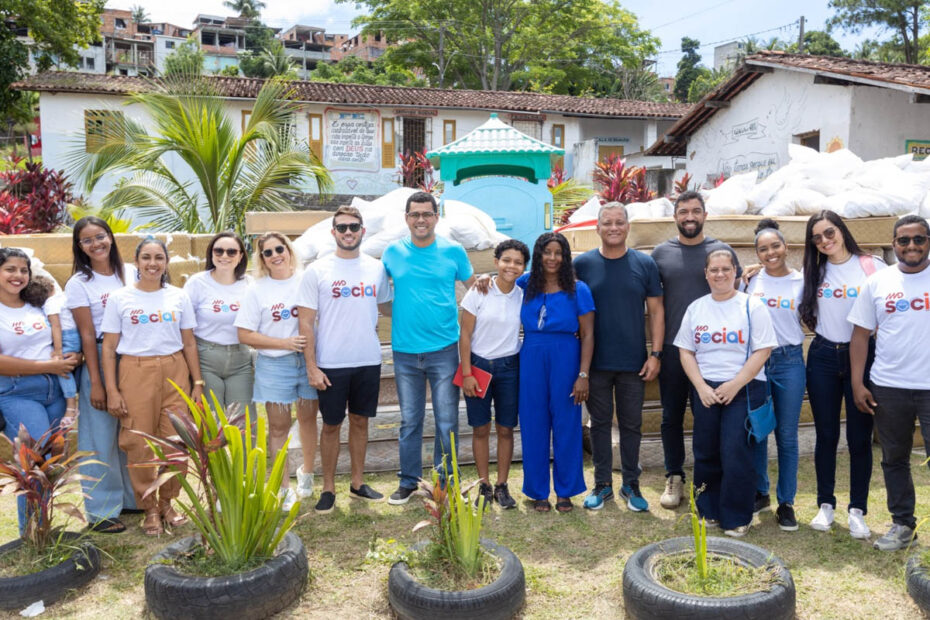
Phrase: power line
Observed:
(730, 39)
(695, 14)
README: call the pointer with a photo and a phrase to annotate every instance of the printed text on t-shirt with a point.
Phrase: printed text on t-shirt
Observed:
(280, 313)
(773, 302)
(139, 317)
(702, 334)
(220, 306)
(342, 289)
(895, 302)
(837, 293)
(20, 328)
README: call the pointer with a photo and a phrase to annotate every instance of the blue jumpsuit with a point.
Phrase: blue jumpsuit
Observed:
(549, 364)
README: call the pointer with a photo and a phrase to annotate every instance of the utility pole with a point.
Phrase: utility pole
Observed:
(442, 68)
(801, 36)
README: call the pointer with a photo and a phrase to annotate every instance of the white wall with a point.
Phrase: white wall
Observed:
(162, 50)
(883, 119)
(754, 132)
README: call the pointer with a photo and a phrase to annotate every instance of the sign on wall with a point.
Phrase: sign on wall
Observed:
(919, 148)
(351, 140)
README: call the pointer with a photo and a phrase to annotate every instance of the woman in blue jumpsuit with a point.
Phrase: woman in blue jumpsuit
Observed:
(558, 327)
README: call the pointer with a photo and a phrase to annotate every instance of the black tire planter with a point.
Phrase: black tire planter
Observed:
(258, 593)
(499, 600)
(645, 599)
(51, 584)
(918, 583)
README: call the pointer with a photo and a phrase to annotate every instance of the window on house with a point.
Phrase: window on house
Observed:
(101, 127)
(89, 63)
(605, 151)
(119, 22)
(246, 115)
(531, 128)
(387, 143)
(315, 135)
(558, 136)
(169, 45)
(448, 132)
(811, 140)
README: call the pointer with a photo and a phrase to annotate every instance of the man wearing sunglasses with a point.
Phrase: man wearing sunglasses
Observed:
(424, 335)
(344, 290)
(896, 301)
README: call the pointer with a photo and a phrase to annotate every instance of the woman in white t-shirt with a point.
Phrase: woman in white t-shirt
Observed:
(217, 294)
(268, 322)
(835, 268)
(98, 271)
(149, 324)
(30, 394)
(490, 341)
(779, 286)
(724, 340)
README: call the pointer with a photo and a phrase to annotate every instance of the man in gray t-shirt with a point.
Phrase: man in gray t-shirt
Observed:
(681, 269)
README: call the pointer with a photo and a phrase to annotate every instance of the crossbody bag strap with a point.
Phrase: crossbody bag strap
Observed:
(748, 346)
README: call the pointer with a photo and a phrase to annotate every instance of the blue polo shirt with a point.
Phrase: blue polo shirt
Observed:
(425, 314)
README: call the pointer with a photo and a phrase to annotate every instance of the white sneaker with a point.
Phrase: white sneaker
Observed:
(304, 483)
(671, 498)
(857, 527)
(738, 532)
(290, 498)
(824, 519)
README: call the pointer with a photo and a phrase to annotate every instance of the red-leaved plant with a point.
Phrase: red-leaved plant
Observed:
(33, 199)
(618, 182)
(416, 170)
(557, 177)
(681, 185)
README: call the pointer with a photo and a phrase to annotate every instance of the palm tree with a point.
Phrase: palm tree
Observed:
(139, 14)
(232, 173)
(250, 9)
(275, 62)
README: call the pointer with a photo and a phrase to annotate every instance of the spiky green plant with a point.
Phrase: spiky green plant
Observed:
(699, 531)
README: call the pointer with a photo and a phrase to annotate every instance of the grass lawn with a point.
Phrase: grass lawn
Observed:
(574, 562)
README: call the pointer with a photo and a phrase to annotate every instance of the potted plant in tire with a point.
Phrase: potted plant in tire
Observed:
(46, 562)
(455, 574)
(246, 563)
(699, 577)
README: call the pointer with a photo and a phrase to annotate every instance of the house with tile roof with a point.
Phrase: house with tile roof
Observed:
(358, 130)
(775, 99)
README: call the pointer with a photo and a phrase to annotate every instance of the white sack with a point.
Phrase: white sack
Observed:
(798, 201)
(759, 196)
(924, 210)
(587, 211)
(865, 203)
(730, 197)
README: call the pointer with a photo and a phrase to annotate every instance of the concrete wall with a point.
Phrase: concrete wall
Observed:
(162, 50)
(883, 119)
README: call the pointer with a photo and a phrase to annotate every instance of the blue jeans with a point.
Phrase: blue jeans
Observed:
(34, 401)
(411, 373)
(828, 384)
(504, 392)
(787, 378)
(723, 457)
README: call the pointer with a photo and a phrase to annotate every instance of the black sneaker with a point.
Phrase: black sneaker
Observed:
(400, 496)
(502, 496)
(786, 519)
(485, 491)
(365, 492)
(762, 502)
(326, 503)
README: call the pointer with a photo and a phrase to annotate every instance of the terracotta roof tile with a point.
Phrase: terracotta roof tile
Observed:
(914, 76)
(364, 94)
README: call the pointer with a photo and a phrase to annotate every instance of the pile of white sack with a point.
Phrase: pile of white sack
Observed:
(838, 181)
(385, 223)
(660, 207)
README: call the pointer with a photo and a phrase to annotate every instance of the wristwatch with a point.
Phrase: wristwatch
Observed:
(657, 355)
(582, 375)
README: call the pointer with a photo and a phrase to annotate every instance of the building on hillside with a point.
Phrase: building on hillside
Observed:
(221, 39)
(367, 47)
(668, 86)
(774, 99)
(306, 46)
(358, 130)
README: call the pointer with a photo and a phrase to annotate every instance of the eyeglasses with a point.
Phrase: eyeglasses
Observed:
(420, 215)
(229, 251)
(903, 242)
(828, 233)
(354, 227)
(279, 249)
(99, 238)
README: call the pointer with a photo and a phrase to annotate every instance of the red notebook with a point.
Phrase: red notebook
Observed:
(482, 376)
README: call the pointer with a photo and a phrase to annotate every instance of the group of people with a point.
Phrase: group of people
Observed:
(534, 342)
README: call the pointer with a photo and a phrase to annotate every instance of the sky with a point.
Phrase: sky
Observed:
(709, 21)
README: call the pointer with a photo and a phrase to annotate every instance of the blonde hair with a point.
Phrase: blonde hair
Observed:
(261, 270)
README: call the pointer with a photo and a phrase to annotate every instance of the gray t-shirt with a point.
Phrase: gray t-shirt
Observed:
(681, 268)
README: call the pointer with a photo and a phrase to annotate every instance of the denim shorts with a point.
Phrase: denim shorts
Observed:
(282, 379)
(503, 392)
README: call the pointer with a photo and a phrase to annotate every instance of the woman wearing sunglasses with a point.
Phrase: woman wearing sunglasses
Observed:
(268, 322)
(554, 366)
(834, 270)
(217, 294)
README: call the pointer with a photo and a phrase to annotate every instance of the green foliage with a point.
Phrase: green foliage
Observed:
(818, 43)
(275, 62)
(186, 59)
(707, 81)
(901, 17)
(354, 70)
(228, 71)
(699, 531)
(113, 217)
(688, 69)
(234, 172)
(637, 83)
(139, 14)
(245, 8)
(237, 510)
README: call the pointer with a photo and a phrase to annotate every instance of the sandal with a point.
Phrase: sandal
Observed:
(151, 525)
(542, 505)
(107, 526)
(171, 517)
(564, 505)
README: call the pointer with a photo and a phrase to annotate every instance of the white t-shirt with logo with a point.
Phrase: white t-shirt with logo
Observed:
(57, 304)
(497, 321)
(837, 294)
(216, 306)
(898, 304)
(25, 333)
(149, 323)
(346, 292)
(782, 296)
(718, 333)
(270, 308)
(93, 293)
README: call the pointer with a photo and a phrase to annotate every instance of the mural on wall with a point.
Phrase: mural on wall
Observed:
(351, 140)
(764, 163)
(750, 130)
(835, 144)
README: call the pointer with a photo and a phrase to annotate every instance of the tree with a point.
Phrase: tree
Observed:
(354, 70)
(232, 172)
(880, 51)
(707, 81)
(688, 69)
(548, 45)
(249, 9)
(186, 59)
(638, 83)
(139, 14)
(902, 17)
(818, 43)
(228, 71)
(275, 62)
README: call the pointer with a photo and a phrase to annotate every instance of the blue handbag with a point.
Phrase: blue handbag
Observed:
(761, 420)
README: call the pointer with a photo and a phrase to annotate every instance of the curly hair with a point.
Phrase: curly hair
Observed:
(537, 280)
(38, 291)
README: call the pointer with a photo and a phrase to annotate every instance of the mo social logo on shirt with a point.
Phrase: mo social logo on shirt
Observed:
(703, 335)
(837, 293)
(776, 302)
(139, 317)
(20, 328)
(220, 306)
(280, 313)
(895, 302)
(343, 289)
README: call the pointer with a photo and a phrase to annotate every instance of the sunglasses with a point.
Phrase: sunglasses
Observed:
(828, 233)
(278, 249)
(354, 227)
(903, 242)
(228, 251)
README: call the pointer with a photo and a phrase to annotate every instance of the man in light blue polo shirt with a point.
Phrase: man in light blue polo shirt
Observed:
(424, 335)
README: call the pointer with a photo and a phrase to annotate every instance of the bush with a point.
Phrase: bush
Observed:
(33, 199)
